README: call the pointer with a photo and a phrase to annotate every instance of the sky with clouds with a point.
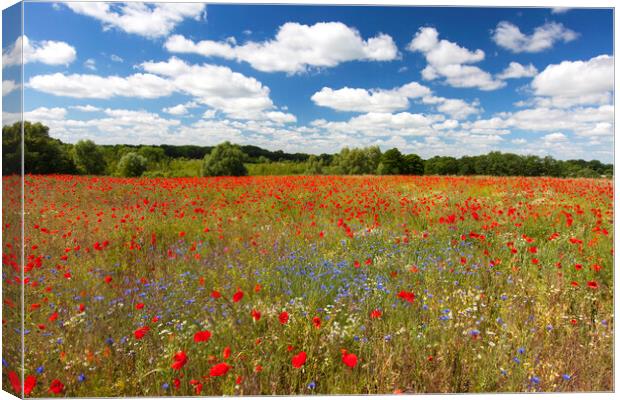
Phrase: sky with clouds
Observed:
(431, 81)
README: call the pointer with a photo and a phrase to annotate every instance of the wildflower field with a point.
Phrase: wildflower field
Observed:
(303, 285)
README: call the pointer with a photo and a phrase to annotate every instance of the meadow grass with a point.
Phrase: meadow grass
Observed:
(512, 278)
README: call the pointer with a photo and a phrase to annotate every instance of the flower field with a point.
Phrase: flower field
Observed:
(309, 285)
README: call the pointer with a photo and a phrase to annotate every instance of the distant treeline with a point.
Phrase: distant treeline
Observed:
(46, 155)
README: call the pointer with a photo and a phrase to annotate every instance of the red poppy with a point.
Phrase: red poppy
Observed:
(357, 264)
(283, 317)
(349, 359)
(238, 296)
(255, 315)
(139, 306)
(82, 307)
(219, 369)
(215, 294)
(14, 379)
(257, 288)
(140, 332)
(406, 296)
(202, 336)
(316, 321)
(29, 384)
(108, 279)
(375, 314)
(56, 387)
(226, 352)
(299, 360)
(53, 317)
(180, 359)
(592, 284)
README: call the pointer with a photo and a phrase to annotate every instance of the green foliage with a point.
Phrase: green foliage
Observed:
(392, 163)
(132, 165)
(46, 155)
(357, 161)
(42, 154)
(88, 158)
(153, 155)
(413, 165)
(276, 168)
(224, 160)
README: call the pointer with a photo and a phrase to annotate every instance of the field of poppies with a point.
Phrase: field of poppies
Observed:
(304, 285)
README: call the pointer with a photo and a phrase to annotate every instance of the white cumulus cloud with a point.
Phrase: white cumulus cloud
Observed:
(510, 37)
(373, 100)
(296, 48)
(148, 20)
(48, 52)
(449, 60)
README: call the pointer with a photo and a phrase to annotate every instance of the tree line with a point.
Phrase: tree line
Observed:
(46, 155)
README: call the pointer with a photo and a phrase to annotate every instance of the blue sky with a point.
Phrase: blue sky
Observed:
(431, 81)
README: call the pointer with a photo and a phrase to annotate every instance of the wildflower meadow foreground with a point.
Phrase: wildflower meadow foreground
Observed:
(304, 285)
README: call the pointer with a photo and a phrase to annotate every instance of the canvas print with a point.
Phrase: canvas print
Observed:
(251, 199)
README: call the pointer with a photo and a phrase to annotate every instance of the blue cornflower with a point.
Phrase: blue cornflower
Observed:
(521, 350)
(40, 370)
(311, 385)
(535, 380)
(388, 338)
(516, 360)
(165, 386)
(566, 377)
(81, 378)
(109, 340)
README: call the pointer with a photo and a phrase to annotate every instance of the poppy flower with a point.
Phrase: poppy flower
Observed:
(139, 306)
(375, 314)
(357, 264)
(238, 296)
(56, 387)
(202, 336)
(53, 317)
(349, 359)
(316, 321)
(592, 284)
(108, 279)
(257, 288)
(14, 379)
(180, 359)
(140, 332)
(226, 352)
(406, 296)
(219, 369)
(299, 360)
(215, 294)
(82, 307)
(255, 315)
(29, 384)
(283, 317)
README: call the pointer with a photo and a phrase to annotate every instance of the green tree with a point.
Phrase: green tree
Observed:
(224, 160)
(315, 166)
(131, 165)
(413, 165)
(88, 158)
(357, 161)
(153, 155)
(42, 153)
(392, 163)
